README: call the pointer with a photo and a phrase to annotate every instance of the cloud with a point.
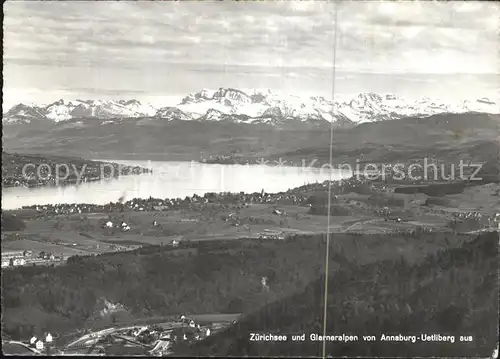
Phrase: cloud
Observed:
(89, 31)
(373, 36)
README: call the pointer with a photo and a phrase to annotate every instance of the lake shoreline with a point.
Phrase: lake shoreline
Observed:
(168, 180)
(38, 171)
(180, 179)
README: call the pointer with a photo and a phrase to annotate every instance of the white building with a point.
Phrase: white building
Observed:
(33, 340)
(165, 336)
(19, 262)
(48, 338)
(12, 254)
(125, 227)
(39, 345)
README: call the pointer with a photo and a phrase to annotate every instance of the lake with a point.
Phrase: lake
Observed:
(172, 180)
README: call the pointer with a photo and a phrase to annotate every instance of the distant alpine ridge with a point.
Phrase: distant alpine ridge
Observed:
(250, 106)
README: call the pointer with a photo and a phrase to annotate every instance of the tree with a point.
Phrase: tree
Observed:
(235, 305)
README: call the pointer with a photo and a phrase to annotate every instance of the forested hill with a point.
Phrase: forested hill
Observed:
(453, 292)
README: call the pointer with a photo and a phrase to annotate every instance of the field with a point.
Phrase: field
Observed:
(84, 234)
(87, 234)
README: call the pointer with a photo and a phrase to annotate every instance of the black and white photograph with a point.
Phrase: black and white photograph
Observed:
(251, 178)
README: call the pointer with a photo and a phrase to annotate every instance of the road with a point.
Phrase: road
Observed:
(362, 221)
(489, 229)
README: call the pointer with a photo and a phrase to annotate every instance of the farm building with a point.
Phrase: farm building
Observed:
(17, 262)
(12, 254)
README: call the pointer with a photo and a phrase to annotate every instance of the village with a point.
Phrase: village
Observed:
(156, 339)
(358, 205)
(27, 257)
(58, 232)
(37, 171)
(35, 346)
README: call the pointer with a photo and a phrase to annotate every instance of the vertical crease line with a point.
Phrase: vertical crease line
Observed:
(327, 255)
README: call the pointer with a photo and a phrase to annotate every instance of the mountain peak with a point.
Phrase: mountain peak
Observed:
(59, 102)
(129, 102)
(22, 113)
(170, 113)
(254, 106)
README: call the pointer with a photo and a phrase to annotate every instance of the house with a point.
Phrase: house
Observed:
(18, 261)
(267, 234)
(48, 338)
(165, 336)
(140, 331)
(109, 224)
(39, 345)
(12, 254)
(33, 340)
(48, 256)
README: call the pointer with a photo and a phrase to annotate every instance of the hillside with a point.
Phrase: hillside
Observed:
(447, 136)
(490, 171)
(454, 292)
(34, 170)
(10, 222)
(219, 276)
(469, 136)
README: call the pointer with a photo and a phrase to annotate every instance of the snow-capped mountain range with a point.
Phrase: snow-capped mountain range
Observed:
(251, 106)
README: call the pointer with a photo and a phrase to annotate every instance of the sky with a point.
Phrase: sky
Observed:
(160, 51)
